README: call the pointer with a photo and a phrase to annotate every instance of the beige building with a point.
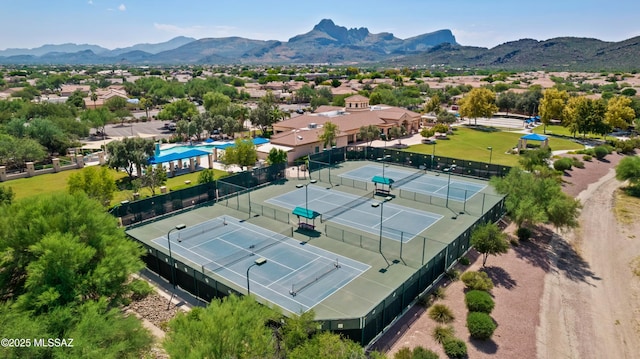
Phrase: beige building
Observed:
(300, 135)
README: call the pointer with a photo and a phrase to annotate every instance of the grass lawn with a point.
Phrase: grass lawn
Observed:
(562, 131)
(471, 144)
(57, 182)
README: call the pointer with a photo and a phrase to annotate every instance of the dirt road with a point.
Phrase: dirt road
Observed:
(590, 305)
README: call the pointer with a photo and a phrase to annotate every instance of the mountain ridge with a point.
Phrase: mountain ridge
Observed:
(329, 43)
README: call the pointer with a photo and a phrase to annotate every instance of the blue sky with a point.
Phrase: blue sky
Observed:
(121, 23)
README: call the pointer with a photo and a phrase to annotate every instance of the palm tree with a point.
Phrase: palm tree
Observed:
(94, 98)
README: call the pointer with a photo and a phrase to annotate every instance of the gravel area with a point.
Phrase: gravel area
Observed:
(524, 306)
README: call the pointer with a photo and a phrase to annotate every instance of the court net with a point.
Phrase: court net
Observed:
(249, 251)
(407, 179)
(345, 207)
(200, 229)
(314, 278)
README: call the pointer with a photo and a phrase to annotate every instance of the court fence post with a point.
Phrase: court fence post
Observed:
(401, 242)
(424, 248)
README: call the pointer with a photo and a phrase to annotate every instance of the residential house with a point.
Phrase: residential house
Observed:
(301, 134)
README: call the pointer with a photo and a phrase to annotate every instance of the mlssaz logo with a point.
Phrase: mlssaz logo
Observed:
(53, 342)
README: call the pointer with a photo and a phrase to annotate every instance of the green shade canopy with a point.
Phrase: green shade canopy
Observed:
(382, 180)
(305, 213)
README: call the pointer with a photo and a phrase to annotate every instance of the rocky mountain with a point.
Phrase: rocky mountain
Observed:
(562, 53)
(154, 48)
(330, 43)
(325, 43)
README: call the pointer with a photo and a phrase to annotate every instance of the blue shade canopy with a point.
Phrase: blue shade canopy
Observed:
(305, 213)
(534, 137)
(177, 156)
(382, 180)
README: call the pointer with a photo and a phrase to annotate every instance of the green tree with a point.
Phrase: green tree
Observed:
(216, 103)
(154, 177)
(130, 153)
(6, 195)
(98, 118)
(433, 105)
(16, 152)
(96, 183)
(488, 239)
(328, 345)
(619, 113)
(552, 106)
(146, 104)
(101, 331)
(276, 156)
(94, 98)
(206, 176)
(537, 198)
(329, 134)
(182, 109)
(118, 106)
(629, 169)
(48, 134)
(63, 249)
(369, 133)
(233, 327)
(397, 132)
(242, 153)
(266, 114)
(76, 99)
(479, 102)
(507, 101)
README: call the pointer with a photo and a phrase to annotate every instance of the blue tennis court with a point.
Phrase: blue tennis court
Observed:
(398, 222)
(429, 184)
(295, 277)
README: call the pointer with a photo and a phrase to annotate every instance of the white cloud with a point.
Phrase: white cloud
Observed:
(122, 7)
(197, 31)
(90, 2)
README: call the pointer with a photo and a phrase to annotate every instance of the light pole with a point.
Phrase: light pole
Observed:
(381, 204)
(382, 160)
(178, 227)
(306, 193)
(258, 262)
(490, 153)
(433, 156)
(449, 170)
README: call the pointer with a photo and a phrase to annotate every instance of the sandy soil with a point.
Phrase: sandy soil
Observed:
(567, 295)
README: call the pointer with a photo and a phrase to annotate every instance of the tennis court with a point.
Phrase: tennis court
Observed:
(419, 182)
(398, 222)
(295, 277)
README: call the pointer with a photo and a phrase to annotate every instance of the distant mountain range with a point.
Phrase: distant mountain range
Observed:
(330, 43)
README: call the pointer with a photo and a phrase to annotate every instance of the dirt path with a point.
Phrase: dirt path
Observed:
(589, 308)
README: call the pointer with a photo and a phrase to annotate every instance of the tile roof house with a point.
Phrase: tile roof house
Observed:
(301, 133)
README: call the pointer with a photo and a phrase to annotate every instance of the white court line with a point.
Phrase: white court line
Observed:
(294, 271)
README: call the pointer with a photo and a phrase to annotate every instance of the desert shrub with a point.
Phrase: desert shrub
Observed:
(403, 353)
(425, 301)
(479, 301)
(480, 325)
(477, 280)
(455, 348)
(140, 289)
(587, 158)
(423, 353)
(465, 261)
(523, 233)
(577, 163)
(441, 313)
(453, 274)
(441, 334)
(563, 164)
(439, 293)
(601, 152)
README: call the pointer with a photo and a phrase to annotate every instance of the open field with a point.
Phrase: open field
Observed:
(57, 182)
(471, 144)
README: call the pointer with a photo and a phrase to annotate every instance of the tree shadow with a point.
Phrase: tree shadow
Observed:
(535, 250)
(500, 277)
(487, 346)
(570, 264)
